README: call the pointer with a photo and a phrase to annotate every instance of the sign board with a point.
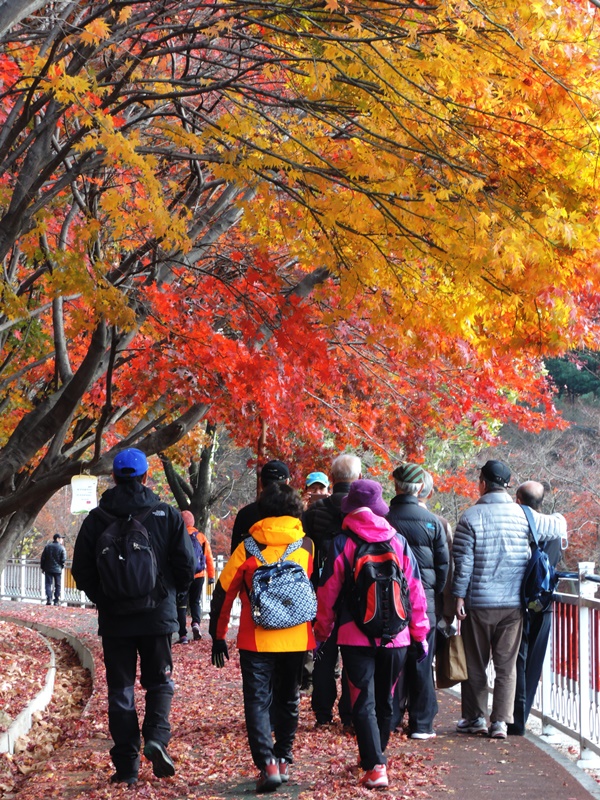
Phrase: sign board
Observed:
(83, 493)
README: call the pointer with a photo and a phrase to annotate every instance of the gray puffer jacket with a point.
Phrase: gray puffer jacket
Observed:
(491, 549)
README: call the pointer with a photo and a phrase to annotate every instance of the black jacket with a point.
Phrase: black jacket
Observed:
(245, 519)
(172, 547)
(53, 558)
(322, 521)
(427, 539)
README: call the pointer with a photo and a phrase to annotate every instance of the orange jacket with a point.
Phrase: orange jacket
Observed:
(205, 545)
(273, 535)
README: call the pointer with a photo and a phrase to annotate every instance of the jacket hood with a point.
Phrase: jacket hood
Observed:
(128, 498)
(277, 530)
(364, 523)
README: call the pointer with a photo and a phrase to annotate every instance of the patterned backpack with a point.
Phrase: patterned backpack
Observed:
(281, 595)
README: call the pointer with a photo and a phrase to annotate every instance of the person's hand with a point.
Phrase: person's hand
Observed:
(219, 653)
(211, 581)
(461, 612)
(421, 651)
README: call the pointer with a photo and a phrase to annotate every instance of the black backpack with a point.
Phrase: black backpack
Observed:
(379, 598)
(129, 576)
(540, 579)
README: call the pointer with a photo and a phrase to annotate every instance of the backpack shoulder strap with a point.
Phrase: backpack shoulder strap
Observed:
(532, 526)
(253, 549)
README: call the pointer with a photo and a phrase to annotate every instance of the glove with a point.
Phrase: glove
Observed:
(421, 650)
(211, 581)
(219, 653)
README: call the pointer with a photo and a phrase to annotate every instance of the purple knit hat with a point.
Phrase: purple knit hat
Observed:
(364, 493)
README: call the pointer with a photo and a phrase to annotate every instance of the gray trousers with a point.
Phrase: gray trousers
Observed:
(494, 632)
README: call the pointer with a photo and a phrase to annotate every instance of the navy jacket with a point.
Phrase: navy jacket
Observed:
(428, 541)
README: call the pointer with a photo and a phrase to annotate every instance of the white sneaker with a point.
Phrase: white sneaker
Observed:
(477, 725)
(498, 730)
(417, 735)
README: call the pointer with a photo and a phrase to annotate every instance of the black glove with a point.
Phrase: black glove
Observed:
(219, 653)
(421, 651)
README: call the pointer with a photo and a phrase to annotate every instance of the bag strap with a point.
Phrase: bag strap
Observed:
(532, 526)
(252, 547)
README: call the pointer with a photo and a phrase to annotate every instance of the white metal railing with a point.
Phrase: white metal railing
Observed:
(568, 696)
(22, 579)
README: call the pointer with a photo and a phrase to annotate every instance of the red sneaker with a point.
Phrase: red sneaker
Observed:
(375, 778)
(284, 770)
(269, 778)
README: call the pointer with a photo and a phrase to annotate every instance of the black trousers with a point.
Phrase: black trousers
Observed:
(156, 666)
(192, 597)
(324, 693)
(536, 631)
(415, 691)
(372, 677)
(271, 686)
(53, 579)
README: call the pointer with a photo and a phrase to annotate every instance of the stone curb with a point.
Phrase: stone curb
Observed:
(22, 724)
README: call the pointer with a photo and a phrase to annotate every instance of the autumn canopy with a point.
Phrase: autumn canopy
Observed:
(363, 223)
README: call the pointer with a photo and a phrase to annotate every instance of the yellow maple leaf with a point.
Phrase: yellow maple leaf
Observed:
(95, 32)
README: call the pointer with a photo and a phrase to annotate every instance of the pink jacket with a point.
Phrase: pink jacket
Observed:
(337, 574)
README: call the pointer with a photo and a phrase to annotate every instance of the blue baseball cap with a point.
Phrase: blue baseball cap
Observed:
(317, 477)
(130, 463)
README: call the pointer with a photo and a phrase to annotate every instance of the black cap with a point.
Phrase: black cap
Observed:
(496, 472)
(274, 471)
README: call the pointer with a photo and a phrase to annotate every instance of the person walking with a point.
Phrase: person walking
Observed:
(322, 521)
(536, 626)
(427, 539)
(372, 665)
(193, 597)
(490, 551)
(270, 659)
(271, 472)
(147, 633)
(52, 563)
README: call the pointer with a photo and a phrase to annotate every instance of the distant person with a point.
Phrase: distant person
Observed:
(146, 633)
(322, 521)
(427, 539)
(270, 659)
(52, 563)
(193, 597)
(316, 487)
(372, 666)
(490, 551)
(536, 626)
(272, 472)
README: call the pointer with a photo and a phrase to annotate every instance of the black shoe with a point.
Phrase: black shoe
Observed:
(162, 766)
(130, 780)
(323, 723)
(48, 602)
(514, 730)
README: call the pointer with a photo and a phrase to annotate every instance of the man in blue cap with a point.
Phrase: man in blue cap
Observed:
(128, 632)
(315, 487)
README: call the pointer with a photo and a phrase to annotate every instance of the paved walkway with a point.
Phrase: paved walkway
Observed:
(212, 761)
